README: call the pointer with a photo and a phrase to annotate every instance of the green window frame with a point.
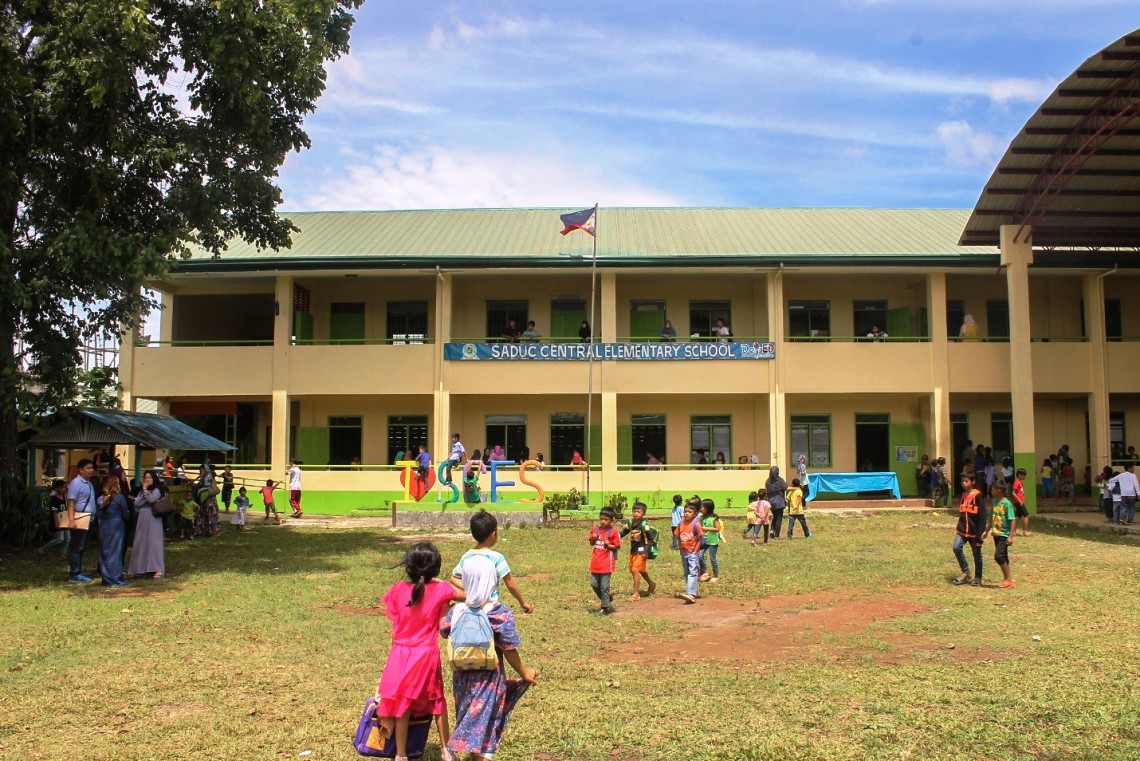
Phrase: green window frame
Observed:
(712, 434)
(811, 436)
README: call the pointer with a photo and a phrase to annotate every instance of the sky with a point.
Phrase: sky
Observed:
(740, 103)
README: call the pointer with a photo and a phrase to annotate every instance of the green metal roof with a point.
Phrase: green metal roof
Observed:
(498, 237)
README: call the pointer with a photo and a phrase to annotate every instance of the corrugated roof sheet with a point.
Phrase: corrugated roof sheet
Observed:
(1074, 169)
(448, 236)
(97, 427)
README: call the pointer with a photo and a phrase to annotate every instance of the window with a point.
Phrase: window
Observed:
(955, 316)
(404, 435)
(1116, 437)
(567, 435)
(997, 318)
(868, 314)
(1001, 434)
(709, 434)
(646, 318)
(500, 312)
(1113, 321)
(648, 435)
(509, 432)
(811, 437)
(346, 323)
(345, 437)
(809, 318)
(704, 314)
(565, 319)
(407, 321)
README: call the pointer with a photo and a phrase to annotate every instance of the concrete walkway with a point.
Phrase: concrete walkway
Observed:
(1089, 520)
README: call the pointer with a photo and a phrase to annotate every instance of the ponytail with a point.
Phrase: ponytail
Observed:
(421, 563)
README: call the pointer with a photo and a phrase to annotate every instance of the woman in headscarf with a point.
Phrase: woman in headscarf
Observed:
(776, 487)
(484, 700)
(497, 454)
(113, 514)
(969, 329)
(147, 554)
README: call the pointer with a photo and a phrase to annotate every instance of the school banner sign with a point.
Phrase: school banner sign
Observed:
(638, 352)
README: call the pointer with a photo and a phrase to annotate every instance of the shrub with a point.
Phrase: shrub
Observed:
(23, 516)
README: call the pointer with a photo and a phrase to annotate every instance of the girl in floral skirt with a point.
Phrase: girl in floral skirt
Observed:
(484, 699)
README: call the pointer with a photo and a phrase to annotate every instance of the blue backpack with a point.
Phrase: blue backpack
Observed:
(471, 646)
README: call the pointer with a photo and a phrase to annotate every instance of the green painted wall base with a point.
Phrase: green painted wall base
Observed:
(1028, 460)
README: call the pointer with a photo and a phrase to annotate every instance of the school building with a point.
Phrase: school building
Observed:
(377, 331)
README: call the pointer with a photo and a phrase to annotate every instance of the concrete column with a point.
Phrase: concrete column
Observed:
(607, 303)
(777, 415)
(166, 317)
(1101, 448)
(941, 435)
(1016, 256)
(609, 440)
(441, 404)
(127, 367)
(282, 338)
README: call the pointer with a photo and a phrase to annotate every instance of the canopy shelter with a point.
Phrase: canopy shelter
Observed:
(90, 428)
(1071, 177)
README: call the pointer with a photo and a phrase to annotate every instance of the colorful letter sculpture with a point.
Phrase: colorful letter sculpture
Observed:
(522, 477)
(441, 477)
(414, 487)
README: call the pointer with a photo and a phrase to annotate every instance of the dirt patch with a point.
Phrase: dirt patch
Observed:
(180, 711)
(351, 610)
(774, 628)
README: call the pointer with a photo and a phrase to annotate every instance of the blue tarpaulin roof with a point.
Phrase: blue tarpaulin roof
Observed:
(92, 427)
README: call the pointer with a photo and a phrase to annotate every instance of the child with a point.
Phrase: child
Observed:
(423, 463)
(454, 458)
(61, 537)
(641, 537)
(689, 534)
(227, 487)
(760, 514)
(605, 541)
(412, 682)
(971, 527)
(1020, 512)
(1001, 522)
(712, 526)
(187, 508)
(1047, 478)
(795, 499)
(242, 505)
(484, 700)
(267, 498)
(675, 518)
(485, 532)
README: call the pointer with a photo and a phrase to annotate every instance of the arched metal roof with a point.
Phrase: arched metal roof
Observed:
(1073, 172)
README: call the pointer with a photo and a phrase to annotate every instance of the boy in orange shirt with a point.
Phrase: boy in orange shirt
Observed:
(605, 541)
(689, 534)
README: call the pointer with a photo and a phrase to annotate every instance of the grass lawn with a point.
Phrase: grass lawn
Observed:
(850, 645)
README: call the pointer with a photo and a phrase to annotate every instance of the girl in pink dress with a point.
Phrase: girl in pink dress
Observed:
(412, 682)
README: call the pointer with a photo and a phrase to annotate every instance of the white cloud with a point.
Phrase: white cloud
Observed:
(965, 146)
(443, 178)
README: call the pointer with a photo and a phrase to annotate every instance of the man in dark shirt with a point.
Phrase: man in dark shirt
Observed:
(511, 332)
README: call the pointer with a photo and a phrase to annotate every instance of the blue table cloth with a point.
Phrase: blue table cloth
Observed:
(847, 483)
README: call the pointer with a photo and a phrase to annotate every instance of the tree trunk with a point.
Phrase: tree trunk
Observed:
(9, 415)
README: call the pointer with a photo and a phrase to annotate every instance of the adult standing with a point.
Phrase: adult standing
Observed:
(776, 488)
(206, 520)
(147, 552)
(584, 332)
(113, 514)
(294, 475)
(668, 332)
(722, 331)
(80, 513)
(1129, 488)
(969, 329)
(228, 486)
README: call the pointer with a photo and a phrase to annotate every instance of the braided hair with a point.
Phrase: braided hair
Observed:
(422, 564)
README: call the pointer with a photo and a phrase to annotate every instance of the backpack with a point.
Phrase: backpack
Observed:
(471, 646)
(651, 535)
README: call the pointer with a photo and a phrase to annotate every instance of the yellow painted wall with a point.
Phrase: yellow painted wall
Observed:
(842, 291)
(194, 371)
(975, 290)
(1055, 306)
(842, 409)
(746, 292)
(539, 288)
(373, 292)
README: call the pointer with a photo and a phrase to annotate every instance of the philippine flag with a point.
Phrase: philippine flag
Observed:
(579, 220)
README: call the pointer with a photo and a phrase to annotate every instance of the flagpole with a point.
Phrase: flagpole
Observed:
(590, 360)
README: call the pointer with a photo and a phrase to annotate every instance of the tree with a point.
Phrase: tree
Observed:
(131, 130)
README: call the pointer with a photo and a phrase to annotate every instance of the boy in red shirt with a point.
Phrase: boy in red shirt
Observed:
(1019, 509)
(605, 541)
(971, 530)
(689, 534)
(267, 498)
